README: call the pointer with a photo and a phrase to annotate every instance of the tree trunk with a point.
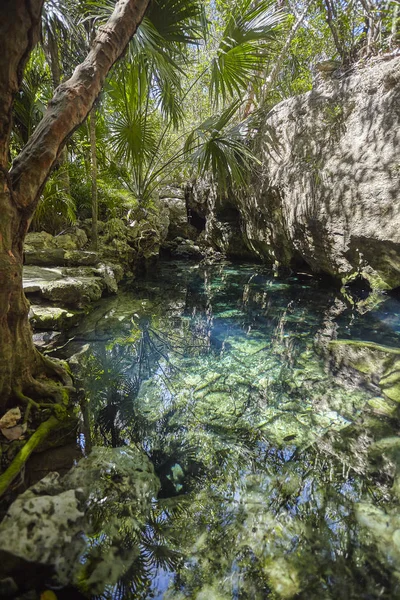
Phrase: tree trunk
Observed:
(18, 358)
(21, 366)
(53, 58)
(93, 172)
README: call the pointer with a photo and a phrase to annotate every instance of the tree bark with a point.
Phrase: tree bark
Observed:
(53, 58)
(20, 188)
(93, 173)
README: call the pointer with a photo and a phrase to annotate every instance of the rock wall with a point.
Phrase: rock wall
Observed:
(328, 191)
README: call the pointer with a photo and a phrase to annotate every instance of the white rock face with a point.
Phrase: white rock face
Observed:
(329, 190)
(77, 525)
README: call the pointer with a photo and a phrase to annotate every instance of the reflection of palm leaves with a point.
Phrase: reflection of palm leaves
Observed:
(157, 550)
(121, 371)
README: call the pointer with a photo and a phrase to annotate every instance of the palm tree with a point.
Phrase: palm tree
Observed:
(147, 93)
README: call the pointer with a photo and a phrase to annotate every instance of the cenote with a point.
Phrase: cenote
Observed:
(276, 457)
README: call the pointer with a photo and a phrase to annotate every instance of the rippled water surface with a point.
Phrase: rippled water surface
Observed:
(271, 483)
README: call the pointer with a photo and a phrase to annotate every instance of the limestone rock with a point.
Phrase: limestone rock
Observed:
(172, 192)
(71, 241)
(70, 287)
(76, 525)
(60, 257)
(44, 529)
(11, 418)
(329, 189)
(77, 292)
(384, 528)
(328, 66)
(52, 318)
(187, 250)
(39, 241)
(45, 258)
(378, 365)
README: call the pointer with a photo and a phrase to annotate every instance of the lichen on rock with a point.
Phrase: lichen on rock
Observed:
(57, 522)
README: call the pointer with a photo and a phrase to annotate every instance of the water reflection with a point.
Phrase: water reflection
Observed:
(262, 454)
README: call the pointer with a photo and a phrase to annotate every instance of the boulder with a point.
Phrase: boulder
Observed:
(60, 257)
(183, 249)
(172, 191)
(178, 219)
(110, 277)
(53, 318)
(38, 241)
(79, 291)
(378, 365)
(71, 241)
(51, 284)
(383, 527)
(327, 193)
(44, 258)
(76, 526)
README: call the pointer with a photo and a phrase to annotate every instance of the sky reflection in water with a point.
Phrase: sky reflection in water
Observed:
(262, 453)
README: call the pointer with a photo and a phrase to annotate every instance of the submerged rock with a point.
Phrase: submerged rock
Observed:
(85, 527)
(384, 528)
(377, 364)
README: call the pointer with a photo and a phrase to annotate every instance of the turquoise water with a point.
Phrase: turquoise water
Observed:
(273, 485)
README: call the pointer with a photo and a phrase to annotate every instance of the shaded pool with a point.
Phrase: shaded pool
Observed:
(273, 485)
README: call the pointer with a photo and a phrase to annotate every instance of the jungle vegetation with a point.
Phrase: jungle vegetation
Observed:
(102, 103)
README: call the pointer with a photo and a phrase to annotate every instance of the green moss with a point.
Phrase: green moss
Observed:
(363, 344)
(20, 460)
(382, 406)
(390, 382)
(371, 359)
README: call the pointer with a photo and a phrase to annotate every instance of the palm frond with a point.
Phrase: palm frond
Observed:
(221, 147)
(245, 42)
(56, 208)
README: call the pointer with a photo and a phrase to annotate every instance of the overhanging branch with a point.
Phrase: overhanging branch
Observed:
(73, 101)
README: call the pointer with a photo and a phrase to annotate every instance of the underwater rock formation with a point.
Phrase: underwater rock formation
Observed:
(378, 365)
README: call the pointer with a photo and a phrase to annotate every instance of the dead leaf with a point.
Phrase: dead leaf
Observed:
(11, 418)
(48, 595)
(14, 433)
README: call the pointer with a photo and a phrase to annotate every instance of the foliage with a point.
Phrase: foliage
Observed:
(179, 103)
(245, 43)
(56, 209)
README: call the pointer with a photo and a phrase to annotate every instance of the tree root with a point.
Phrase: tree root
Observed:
(57, 389)
(58, 393)
(20, 460)
(59, 368)
(59, 408)
(26, 400)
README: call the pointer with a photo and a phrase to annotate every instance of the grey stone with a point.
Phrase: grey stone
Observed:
(79, 291)
(109, 277)
(71, 241)
(51, 284)
(57, 523)
(172, 192)
(328, 191)
(39, 241)
(52, 318)
(71, 287)
(44, 258)
(60, 257)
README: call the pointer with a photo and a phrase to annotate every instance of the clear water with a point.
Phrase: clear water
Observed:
(269, 487)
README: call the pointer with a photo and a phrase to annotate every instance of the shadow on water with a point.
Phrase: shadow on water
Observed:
(269, 485)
